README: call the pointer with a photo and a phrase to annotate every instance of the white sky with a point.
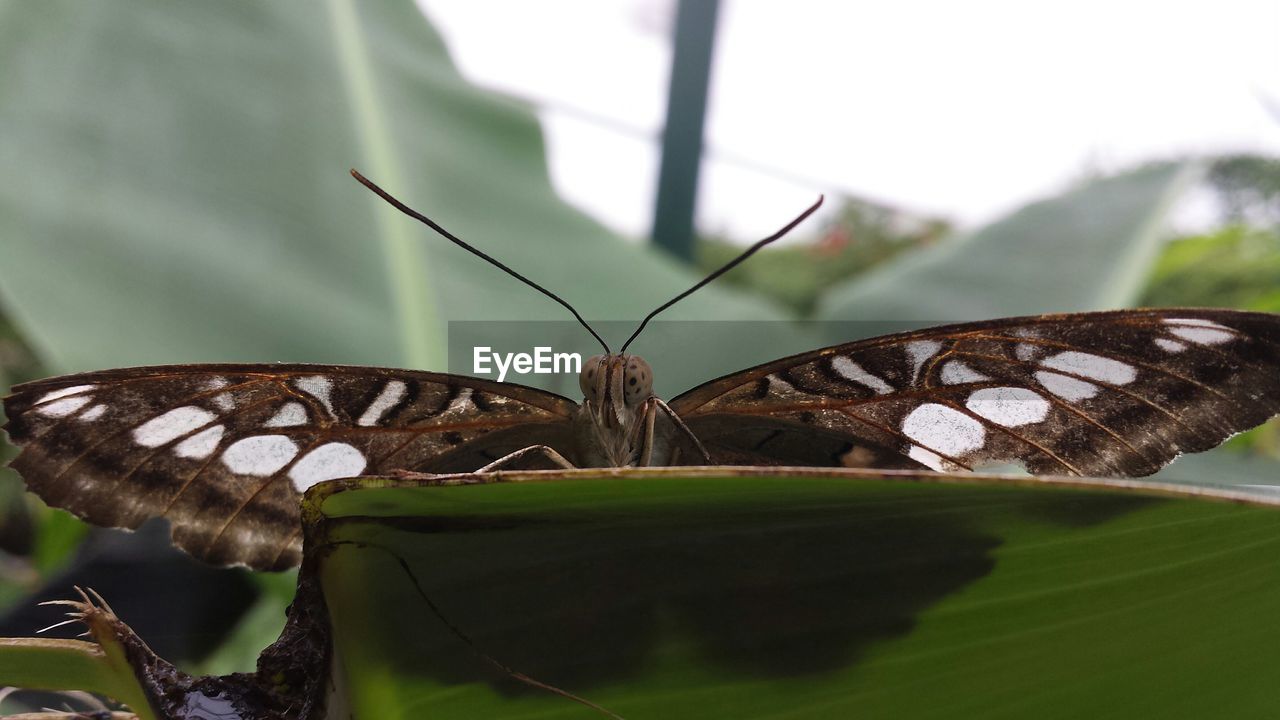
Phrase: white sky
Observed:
(966, 109)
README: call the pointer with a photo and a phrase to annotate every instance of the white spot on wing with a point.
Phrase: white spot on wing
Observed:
(774, 379)
(63, 392)
(224, 401)
(1172, 346)
(955, 372)
(391, 394)
(1203, 332)
(920, 351)
(850, 370)
(259, 455)
(92, 413)
(461, 403)
(944, 430)
(1094, 367)
(202, 444)
(1027, 352)
(63, 407)
(1203, 335)
(292, 414)
(928, 458)
(327, 462)
(172, 425)
(1067, 388)
(318, 387)
(1195, 321)
(1008, 406)
(56, 403)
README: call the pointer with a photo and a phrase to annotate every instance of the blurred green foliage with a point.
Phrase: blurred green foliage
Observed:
(857, 238)
(1236, 266)
(1248, 188)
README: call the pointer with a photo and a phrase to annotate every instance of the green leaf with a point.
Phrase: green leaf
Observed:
(58, 534)
(53, 664)
(816, 595)
(1089, 249)
(1236, 266)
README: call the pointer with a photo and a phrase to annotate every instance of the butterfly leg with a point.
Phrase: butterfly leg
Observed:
(683, 428)
(646, 445)
(545, 450)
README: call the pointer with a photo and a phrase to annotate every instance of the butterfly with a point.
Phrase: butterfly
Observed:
(225, 452)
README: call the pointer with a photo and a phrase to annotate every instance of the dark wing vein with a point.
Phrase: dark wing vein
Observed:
(235, 514)
(58, 477)
(902, 437)
(1223, 384)
(1081, 413)
(1010, 433)
(1104, 354)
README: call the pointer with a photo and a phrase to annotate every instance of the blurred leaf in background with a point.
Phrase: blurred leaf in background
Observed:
(1090, 248)
(1236, 266)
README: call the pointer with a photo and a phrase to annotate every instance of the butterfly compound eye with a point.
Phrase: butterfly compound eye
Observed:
(637, 380)
(587, 378)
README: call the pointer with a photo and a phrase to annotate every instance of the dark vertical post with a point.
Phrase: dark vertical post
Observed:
(695, 33)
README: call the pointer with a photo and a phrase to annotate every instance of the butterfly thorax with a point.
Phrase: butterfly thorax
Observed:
(618, 425)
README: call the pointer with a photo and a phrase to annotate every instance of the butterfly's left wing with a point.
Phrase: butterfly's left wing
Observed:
(224, 452)
(1117, 393)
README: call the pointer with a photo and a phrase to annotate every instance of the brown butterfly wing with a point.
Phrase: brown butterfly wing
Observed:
(225, 451)
(1108, 394)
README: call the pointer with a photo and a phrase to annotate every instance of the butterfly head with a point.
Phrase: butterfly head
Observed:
(616, 382)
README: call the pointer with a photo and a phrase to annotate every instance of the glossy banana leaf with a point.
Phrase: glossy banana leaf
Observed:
(776, 594)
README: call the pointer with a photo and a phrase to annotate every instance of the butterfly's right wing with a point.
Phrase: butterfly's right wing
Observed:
(226, 451)
(1117, 393)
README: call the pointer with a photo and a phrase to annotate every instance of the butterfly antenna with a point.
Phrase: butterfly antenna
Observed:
(724, 269)
(474, 251)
